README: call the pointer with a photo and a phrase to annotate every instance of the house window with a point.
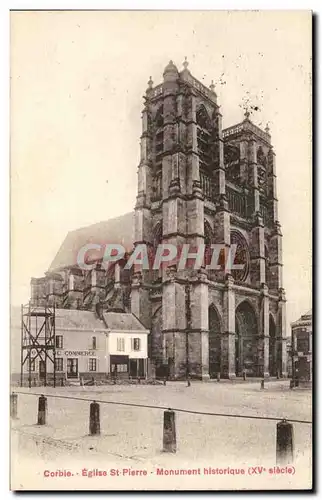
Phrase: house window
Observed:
(121, 344)
(92, 364)
(59, 342)
(136, 344)
(94, 344)
(59, 364)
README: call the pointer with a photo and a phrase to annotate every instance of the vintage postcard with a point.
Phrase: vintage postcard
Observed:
(161, 321)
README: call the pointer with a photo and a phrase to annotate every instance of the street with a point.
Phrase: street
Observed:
(131, 437)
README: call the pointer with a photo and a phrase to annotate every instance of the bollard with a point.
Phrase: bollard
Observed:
(262, 384)
(244, 374)
(164, 381)
(218, 377)
(169, 432)
(284, 443)
(14, 405)
(94, 419)
(42, 410)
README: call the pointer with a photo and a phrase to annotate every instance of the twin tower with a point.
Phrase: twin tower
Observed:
(201, 185)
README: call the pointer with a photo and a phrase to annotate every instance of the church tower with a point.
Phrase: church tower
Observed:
(201, 185)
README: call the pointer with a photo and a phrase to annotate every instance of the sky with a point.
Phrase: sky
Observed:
(77, 81)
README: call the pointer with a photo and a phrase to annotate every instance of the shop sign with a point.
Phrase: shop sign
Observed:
(75, 353)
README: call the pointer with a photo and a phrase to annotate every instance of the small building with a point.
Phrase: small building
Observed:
(90, 347)
(302, 350)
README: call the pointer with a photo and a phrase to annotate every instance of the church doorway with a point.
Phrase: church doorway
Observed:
(272, 348)
(245, 340)
(214, 342)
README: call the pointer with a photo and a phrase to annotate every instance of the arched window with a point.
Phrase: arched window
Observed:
(208, 240)
(157, 234)
(246, 340)
(204, 140)
(157, 240)
(261, 158)
(232, 162)
(214, 342)
(158, 123)
(242, 256)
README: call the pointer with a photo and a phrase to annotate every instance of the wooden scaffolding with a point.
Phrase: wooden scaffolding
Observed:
(38, 342)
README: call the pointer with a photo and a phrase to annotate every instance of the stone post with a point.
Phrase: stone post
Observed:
(169, 432)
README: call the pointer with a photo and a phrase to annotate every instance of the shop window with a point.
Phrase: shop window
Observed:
(59, 342)
(92, 365)
(59, 364)
(122, 368)
(136, 344)
(121, 344)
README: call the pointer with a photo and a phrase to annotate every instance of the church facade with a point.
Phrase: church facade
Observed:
(198, 184)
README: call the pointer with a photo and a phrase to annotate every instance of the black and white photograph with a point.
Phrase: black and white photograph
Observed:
(161, 250)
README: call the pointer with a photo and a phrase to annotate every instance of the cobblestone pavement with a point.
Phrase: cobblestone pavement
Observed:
(132, 436)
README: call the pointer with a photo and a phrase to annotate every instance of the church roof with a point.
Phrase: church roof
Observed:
(119, 230)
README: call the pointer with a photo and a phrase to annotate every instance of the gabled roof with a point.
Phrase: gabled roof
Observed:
(69, 319)
(123, 322)
(78, 320)
(119, 230)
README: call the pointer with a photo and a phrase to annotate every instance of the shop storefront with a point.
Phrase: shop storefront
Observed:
(88, 348)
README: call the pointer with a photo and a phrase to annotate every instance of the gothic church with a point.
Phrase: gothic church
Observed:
(197, 184)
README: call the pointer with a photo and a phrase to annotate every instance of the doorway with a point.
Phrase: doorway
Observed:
(214, 343)
(72, 367)
(246, 340)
